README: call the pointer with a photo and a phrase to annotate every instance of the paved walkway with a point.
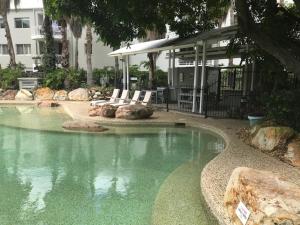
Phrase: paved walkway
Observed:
(216, 174)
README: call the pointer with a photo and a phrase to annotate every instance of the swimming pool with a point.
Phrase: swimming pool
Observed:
(145, 176)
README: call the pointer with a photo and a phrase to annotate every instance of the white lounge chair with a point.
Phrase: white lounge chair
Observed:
(147, 98)
(133, 101)
(112, 99)
(122, 100)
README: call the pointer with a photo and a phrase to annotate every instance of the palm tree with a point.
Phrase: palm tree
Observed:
(89, 50)
(76, 28)
(49, 55)
(4, 10)
(65, 63)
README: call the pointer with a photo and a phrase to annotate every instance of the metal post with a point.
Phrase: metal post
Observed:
(196, 78)
(245, 82)
(169, 68)
(253, 76)
(124, 72)
(167, 98)
(127, 73)
(203, 79)
(173, 68)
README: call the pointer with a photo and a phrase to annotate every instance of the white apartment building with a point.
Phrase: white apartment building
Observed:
(26, 25)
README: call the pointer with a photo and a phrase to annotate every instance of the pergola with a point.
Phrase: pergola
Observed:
(206, 44)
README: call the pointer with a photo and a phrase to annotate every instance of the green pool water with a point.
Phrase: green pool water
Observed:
(57, 177)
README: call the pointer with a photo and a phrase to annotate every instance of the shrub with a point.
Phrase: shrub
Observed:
(9, 77)
(65, 78)
(77, 78)
(106, 74)
(55, 79)
(283, 107)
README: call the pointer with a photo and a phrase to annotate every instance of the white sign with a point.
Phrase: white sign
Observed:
(242, 213)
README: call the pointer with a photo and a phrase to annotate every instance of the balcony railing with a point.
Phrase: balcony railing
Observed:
(39, 31)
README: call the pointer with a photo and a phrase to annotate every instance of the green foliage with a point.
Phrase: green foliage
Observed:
(160, 79)
(283, 107)
(57, 79)
(49, 56)
(9, 77)
(106, 74)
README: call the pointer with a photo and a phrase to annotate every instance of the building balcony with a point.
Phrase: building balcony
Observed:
(39, 33)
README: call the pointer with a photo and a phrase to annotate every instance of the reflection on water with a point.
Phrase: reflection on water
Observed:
(69, 178)
(32, 117)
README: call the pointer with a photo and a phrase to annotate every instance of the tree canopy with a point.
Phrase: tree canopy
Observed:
(273, 27)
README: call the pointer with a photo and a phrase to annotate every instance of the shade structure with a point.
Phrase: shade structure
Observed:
(205, 44)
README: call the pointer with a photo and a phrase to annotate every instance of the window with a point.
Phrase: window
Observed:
(3, 50)
(1, 23)
(22, 23)
(23, 49)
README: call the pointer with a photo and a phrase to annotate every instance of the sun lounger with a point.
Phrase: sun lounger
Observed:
(133, 101)
(112, 99)
(122, 100)
(147, 98)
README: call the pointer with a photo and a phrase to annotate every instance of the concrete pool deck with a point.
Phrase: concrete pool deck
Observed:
(215, 176)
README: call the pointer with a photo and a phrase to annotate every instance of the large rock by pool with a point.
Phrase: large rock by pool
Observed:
(44, 94)
(269, 138)
(293, 152)
(24, 95)
(8, 95)
(83, 126)
(61, 95)
(107, 110)
(46, 104)
(134, 112)
(80, 94)
(270, 199)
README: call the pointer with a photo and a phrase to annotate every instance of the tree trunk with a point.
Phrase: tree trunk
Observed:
(65, 63)
(76, 54)
(89, 50)
(151, 70)
(49, 57)
(117, 70)
(268, 43)
(10, 45)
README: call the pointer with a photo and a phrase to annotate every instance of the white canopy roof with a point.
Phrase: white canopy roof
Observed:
(143, 47)
(214, 35)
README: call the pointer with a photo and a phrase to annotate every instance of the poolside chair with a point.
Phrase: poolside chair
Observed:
(133, 101)
(147, 98)
(122, 100)
(112, 99)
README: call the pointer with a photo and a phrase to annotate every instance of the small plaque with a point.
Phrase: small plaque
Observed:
(242, 213)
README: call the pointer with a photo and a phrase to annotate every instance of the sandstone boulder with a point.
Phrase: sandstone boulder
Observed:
(269, 138)
(108, 111)
(9, 95)
(80, 94)
(134, 112)
(95, 111)
(104, 111)
(44, 94)
(292, 155)
(47, 104)
(270, 199)
(83, 126)
(24, 95)
(61, 95)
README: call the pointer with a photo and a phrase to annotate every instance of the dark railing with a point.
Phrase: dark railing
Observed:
(217, 102)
